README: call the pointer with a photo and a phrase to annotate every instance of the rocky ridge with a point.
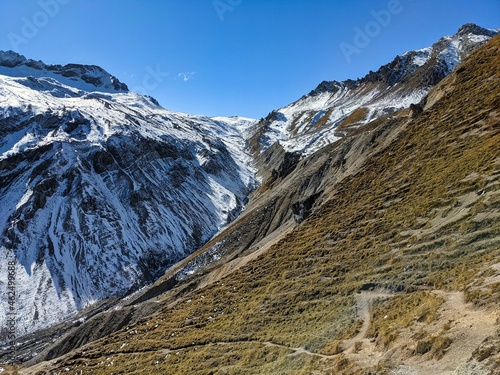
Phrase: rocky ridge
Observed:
(333, 108)
(86, 77)
(345, 261)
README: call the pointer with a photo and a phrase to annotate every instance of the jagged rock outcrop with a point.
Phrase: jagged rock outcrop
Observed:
(378, 252)
(76, 75)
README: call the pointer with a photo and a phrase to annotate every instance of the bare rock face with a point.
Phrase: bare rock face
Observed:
(368, 227)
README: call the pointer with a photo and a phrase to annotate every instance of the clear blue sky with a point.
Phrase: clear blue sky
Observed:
(230, 57)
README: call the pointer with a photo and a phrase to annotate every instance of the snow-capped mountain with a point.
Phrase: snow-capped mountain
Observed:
(83, 77)
(102, 189)
(334, 108)
(243, 125)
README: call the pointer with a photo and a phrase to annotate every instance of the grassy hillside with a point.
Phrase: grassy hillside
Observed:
(372, 271)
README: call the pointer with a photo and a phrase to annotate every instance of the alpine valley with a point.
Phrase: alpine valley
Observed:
(354, 231)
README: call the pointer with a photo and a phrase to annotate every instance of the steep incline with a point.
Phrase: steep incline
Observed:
(102, 190)
(408, 205)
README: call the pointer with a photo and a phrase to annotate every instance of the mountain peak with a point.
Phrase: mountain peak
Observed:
(11, 59)
(340, 257)
(472, 28)
(130, 182)
(84, 77)
(332, 86)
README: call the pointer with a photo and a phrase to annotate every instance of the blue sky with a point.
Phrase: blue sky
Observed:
(231, 57)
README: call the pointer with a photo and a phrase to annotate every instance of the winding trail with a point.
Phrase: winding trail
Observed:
(364, 302)
(301, 350)
(468, 327)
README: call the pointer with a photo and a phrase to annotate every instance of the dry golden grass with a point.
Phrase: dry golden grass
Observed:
(400, 312)
(436, 346)
(355, 118)
(324, 119)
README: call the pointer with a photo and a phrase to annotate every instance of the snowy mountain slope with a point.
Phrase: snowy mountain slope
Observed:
(102, 190)
(83, 77)
(242, 124)
(328, 112)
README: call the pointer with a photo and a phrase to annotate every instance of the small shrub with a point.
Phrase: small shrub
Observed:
(333, 348)
(357, 346)
(436, 345)
(423, 346)
(447, 325)
(439, 346)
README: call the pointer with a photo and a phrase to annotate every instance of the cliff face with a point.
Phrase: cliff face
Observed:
(83, 77)
(101, 189)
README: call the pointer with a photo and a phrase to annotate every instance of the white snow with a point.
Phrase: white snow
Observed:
(68, 256)
(52, 283)
(421, 56)
(451, 54)
(294, 127)
(479, 38)
(305, 113)
(30, 69)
